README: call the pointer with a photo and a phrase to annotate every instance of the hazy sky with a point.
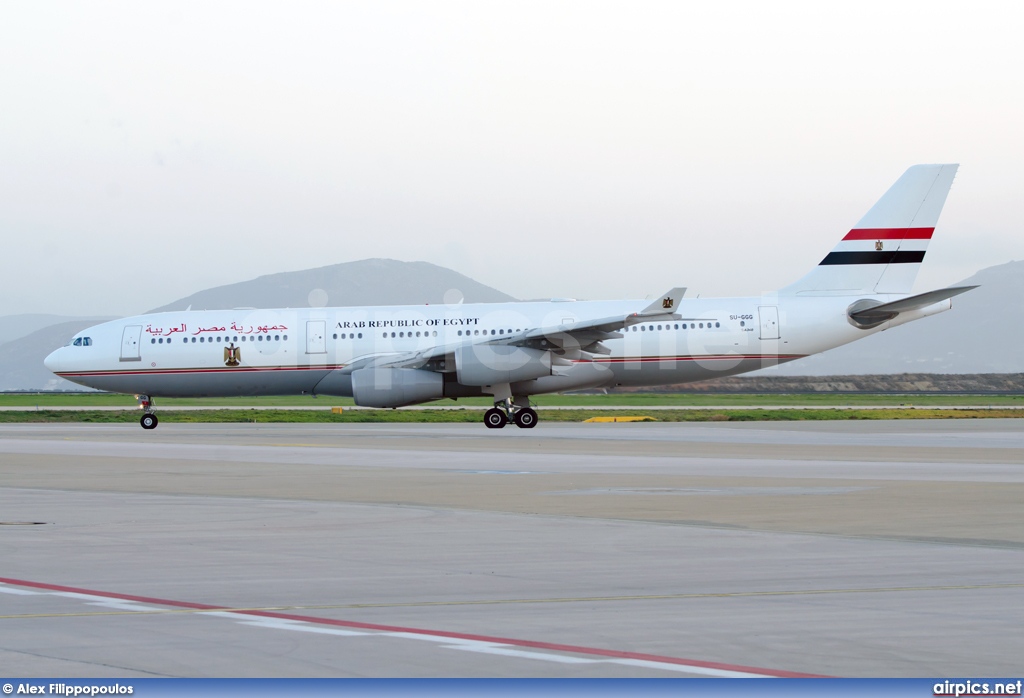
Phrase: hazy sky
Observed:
(593, 150)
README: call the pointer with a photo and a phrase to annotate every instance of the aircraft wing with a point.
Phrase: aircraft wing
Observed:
(568, 341)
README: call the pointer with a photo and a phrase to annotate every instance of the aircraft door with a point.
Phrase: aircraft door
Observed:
(130, 343)
(316, 336)
(769, 315)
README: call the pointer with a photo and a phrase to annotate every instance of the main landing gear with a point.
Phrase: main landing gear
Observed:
(148, 419)
(507, 412)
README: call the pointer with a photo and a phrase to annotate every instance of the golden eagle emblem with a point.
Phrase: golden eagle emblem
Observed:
(879, 245)
(666, 303)
(232, 355)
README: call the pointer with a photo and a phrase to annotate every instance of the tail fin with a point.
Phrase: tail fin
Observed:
(884, 251)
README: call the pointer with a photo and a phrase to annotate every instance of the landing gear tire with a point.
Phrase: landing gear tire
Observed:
(495, 418)
(526, 418)
(149, 421)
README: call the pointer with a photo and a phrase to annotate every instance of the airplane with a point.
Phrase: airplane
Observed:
(394, 356)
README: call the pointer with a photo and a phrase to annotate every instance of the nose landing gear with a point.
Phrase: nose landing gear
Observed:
(148, 419)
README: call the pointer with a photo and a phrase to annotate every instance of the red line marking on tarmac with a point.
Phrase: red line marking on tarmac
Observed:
(533, 644)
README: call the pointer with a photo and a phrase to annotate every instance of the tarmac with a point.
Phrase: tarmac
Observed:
(871, 548)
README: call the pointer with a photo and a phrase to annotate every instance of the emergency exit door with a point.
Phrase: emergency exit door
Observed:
(769, 315)
(316, 336)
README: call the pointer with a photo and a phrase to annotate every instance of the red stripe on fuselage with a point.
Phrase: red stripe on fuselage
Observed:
(890, 234)
(173, 371)
(256, 369)
(709, 357)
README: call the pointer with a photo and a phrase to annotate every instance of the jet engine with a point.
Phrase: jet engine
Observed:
(493, 364)
(395, 387)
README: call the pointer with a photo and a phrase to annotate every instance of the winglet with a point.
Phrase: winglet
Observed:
(667, 304)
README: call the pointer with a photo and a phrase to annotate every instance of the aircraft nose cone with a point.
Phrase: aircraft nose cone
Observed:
(52, 362)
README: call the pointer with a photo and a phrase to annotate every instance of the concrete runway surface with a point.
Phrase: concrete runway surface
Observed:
(589, 550)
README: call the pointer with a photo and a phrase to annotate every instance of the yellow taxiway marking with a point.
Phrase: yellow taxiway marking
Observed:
(498, 602)
(620, 419)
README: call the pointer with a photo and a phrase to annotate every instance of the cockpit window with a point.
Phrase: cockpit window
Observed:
(86, 341)
(78, 342)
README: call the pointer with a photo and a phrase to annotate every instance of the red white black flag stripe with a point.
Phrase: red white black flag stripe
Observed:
(881, 246)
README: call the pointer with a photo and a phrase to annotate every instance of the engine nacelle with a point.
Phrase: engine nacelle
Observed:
(395, 387)
(493, 364)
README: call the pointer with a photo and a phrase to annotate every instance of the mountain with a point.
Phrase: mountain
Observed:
(366, 282)
(21, 361)
(762, 383)
(981, 334)
(17, 326)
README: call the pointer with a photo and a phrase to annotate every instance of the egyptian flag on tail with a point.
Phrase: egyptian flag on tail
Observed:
(884, 251)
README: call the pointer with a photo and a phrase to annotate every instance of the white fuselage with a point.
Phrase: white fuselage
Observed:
(296, 351)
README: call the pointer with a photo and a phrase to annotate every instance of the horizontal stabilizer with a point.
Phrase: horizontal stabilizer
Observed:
(887, 311)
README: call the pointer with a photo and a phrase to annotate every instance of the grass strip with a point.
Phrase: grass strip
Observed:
(682, 400)
(457, 416)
